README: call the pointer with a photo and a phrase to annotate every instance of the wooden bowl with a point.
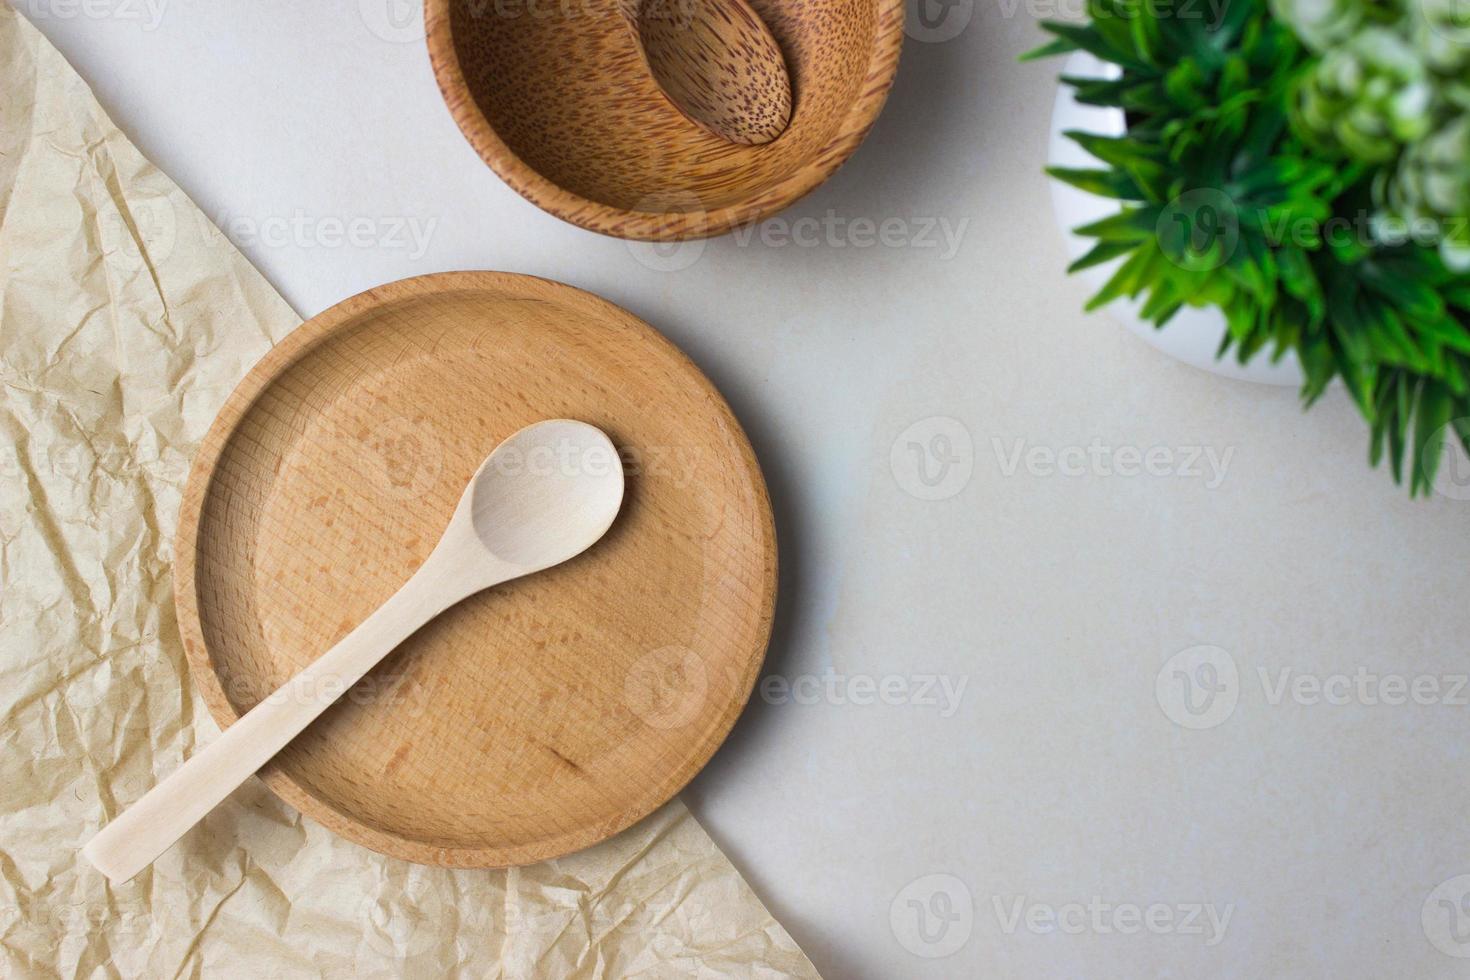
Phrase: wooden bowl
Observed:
(538, 717)
(555, 96)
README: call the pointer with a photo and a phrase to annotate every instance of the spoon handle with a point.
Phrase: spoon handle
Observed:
(150, 826)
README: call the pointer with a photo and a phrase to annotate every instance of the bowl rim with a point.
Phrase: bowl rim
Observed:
(606, 219)
(301, 342)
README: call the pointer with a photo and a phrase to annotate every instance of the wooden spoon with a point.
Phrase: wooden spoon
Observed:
(717, 62)
(545, 495)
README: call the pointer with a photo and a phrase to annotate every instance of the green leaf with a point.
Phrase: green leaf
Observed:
(1445, 330)
(1415, 297)
(1101, 253)
(1094, 42)
(1430, 422)
(1097, 92)
(1128, 225)
(1125, 282)
(1051, 49)
(1104, 183)
(1117, 150)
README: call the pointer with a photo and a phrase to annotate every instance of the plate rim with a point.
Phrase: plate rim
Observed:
(237, 406)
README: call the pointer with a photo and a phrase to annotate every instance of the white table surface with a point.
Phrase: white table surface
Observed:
(1058, 782)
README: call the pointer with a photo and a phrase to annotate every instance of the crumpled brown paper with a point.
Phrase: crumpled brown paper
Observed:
(125, 319)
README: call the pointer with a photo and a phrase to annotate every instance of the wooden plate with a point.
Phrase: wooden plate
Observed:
(533, 719)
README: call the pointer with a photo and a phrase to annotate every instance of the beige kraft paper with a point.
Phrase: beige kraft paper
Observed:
(126, 318)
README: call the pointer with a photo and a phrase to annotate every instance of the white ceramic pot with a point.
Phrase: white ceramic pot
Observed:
(1194, 335)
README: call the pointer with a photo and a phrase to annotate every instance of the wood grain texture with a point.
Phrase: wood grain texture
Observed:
(718, 63)
(535, 718)
(557, 99)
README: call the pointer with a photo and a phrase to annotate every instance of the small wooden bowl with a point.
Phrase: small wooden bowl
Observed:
(532, 719)
(554, 95)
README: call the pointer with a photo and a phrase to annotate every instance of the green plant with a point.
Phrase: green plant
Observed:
(1367, 97)
(1275, 180)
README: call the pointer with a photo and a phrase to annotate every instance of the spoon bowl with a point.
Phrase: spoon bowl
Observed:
(546, 493)
(718, 63)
